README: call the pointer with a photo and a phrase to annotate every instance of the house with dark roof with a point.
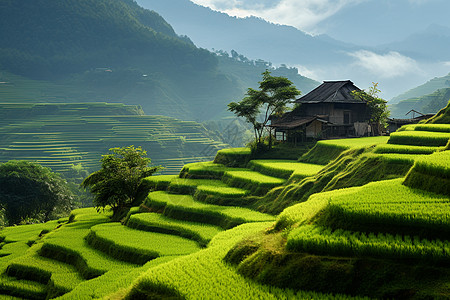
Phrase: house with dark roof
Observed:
(330, 110)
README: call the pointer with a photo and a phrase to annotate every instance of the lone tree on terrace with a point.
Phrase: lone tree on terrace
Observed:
(273, 95)
(377, 107)
(116, 183)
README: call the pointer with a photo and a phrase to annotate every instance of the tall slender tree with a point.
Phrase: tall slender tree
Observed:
(272, 97)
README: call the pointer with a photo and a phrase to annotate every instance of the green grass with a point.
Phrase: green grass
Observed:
(11, 288)
(327, 150)
(205, 190)
(202, 170)
(432, 127)
(431, 173)
(404, 149)
(61, 277)
(185, 207)
(254, 181)
(233, 157)
(205, 275)
(388, 205)
(136, 246)
(67, 244)
(324, 241)
(25, 233)
(111, 281)
(287, 169)
(420, 138)
(202, 233)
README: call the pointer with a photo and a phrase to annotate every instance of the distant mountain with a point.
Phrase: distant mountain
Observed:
(427, 104)
(424, 89)
(377, 22)
(367, 41)
(114, 51)
(253, 37)
(429, 44)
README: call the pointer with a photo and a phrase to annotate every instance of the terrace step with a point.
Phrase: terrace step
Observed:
(13, 288)
(202, 233)
(137, 246)
(257, 183)
(32, 266)
(285, 169)
(67, 244)
(420, 138)
(185, 207)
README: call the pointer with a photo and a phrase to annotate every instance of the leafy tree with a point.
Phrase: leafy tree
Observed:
(31, 192)
(378, 110)
(273, 95)
(116, 183)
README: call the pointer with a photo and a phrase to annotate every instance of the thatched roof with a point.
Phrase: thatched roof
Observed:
(332, 92)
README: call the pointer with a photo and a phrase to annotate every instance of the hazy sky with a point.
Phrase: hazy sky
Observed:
(370, 24)
(383, 20)
(303, 14)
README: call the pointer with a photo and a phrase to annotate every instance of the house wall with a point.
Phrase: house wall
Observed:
(314, 129)
(336, 112)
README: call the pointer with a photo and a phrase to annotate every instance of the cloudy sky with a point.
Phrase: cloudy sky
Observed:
(304, 14)
(384, 20)
(366, 23)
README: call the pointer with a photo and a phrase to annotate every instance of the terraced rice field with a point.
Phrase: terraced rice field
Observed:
(89, 249)
(174, 244)
(69, 134)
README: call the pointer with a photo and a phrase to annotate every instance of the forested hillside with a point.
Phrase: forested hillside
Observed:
(424, 89)
(427, 104)
(113, 51)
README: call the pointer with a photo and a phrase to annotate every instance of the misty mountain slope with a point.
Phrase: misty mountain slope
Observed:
(47, 39)
(378, 41)
(113, 51)
(212, 29)
(379, 22)
(427, 104)
(424, 89)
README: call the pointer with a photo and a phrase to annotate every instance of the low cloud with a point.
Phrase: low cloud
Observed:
(389, 65)
(305, 14)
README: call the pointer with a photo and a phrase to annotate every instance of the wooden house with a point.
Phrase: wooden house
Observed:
(330, 110)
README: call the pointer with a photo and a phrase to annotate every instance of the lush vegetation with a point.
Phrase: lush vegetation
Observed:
(372, 222)
(70, 138)
(273, 96)
(116, 184)
(31, 193)
(371, 229)
(377, 107)
(429, 101)
(120, 52)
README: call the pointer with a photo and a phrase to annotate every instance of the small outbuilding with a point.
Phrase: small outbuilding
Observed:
(395, 124)
(330, 110)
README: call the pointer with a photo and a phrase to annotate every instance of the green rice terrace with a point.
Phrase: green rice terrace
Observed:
(62, 135)
(350, 219)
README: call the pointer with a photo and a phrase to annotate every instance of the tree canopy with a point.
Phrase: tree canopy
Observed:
(30, 192)
(116, 183)
(273, 95)
(378, 111)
